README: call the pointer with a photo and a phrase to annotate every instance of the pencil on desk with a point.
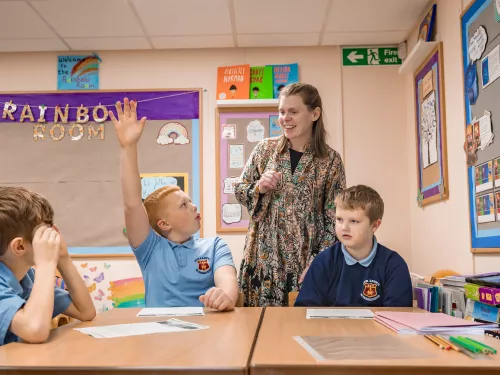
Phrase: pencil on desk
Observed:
(454, 347)
(443, 342)
(431, 338)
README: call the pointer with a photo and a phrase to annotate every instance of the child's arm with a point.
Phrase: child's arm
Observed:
(81, 306)
(224, 295)
(314, 290)
(398, 291)
(129, 131)
(32, 322)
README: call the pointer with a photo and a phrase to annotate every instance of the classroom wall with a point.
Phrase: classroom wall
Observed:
(439, 234)
(374, 111)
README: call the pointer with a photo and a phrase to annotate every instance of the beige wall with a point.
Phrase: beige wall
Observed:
(440, 236)
(374, 111)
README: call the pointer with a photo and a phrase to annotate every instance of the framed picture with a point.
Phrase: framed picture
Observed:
(430, 130)
(427, 25)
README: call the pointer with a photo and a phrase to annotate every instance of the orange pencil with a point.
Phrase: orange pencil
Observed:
(431, 338)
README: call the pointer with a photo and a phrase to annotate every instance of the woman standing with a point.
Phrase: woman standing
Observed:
(288, 186)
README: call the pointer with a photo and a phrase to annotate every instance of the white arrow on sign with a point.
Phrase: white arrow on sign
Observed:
(353, 56)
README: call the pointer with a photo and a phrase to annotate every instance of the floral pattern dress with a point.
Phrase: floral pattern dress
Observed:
(289, 226)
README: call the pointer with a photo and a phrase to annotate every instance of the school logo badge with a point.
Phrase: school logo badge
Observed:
(203, 264)
(370, 290)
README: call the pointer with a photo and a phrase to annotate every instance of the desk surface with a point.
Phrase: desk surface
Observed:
(276, 352)
(225, 346)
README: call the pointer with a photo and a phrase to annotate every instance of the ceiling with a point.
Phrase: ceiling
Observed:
(97, 25)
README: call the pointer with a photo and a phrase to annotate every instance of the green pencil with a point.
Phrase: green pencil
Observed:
(493, 350)
(464, 344)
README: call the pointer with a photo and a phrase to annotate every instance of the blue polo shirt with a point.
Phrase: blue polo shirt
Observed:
(13, 296)
(176, 275)
(335, 278)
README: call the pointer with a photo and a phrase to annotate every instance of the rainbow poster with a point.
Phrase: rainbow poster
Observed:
(78, 72)
(127, 292)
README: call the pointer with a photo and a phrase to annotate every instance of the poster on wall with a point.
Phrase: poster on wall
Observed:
(78, 72)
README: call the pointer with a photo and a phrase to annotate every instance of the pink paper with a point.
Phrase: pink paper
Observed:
(420, 321)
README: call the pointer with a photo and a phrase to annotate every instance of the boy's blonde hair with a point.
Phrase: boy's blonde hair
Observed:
(364, 197)
(21, 212)
(153, 204)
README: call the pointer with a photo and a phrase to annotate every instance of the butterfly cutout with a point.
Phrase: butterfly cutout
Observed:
(85, 277)
(91, 288)
(99, 296)
(106, 265)
(99, 278)
(93, 269)
(84, 265)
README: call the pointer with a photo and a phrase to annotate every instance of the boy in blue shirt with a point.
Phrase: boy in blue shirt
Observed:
(28, 238)
(357, 270)
(178, 270)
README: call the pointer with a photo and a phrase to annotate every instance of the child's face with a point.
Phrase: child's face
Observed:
(354, 229)
(181, 214)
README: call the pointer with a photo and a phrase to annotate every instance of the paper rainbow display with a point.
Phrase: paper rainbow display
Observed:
(127, 292)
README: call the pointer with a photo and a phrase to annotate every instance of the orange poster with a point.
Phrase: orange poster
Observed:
(233, 82)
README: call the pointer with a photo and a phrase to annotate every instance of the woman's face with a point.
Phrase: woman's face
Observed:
(295, 118)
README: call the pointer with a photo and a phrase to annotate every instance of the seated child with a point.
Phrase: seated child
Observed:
(357, 270)
(28, 299)
(178, 270)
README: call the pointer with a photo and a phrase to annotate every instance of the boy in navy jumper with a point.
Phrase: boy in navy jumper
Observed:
(357, 270)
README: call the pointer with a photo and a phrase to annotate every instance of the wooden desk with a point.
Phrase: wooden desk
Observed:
(276, 352)
(224, 348)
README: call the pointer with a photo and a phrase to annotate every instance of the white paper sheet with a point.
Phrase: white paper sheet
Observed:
(339, 314)
(135, 329)
(171, 311)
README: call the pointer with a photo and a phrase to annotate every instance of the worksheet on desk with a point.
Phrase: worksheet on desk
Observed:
(339, 314)
(135, 329)
(171, 311)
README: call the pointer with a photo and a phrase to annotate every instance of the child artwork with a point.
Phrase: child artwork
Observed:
(274, 127)
(485, 208)
(229, 184)
(152, 181)
(78, 72)
(173, 133)
(236, 156)
(497, 204)
(484, 177)
(427, 25)
(255, 131)
(231, 213)
(429, 131)
(126, 293)
(96, 280)
(496, 169)
(229, 131)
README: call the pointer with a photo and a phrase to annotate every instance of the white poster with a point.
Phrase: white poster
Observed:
(228, 184)
(490, 67)
(255, 131)
(428, 131)
(229, 131)
(236, 156)
(231, 213)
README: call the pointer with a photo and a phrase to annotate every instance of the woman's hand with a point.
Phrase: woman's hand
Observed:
(269, 181)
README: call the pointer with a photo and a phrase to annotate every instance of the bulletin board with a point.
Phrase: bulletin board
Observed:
(432, 161)
(238, 131)
(480, 27)
(63, 145)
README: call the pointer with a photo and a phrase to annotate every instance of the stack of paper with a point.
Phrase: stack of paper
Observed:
(429, 323)
(135, 329)
(171, 311)
(339, 314)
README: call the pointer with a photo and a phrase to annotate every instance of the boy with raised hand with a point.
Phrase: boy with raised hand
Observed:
(178, 270)
(28, 299)
(357, 270)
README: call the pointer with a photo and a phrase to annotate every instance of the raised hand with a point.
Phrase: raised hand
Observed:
(128, 129)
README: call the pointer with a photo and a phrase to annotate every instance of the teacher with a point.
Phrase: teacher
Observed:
(288, 187)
